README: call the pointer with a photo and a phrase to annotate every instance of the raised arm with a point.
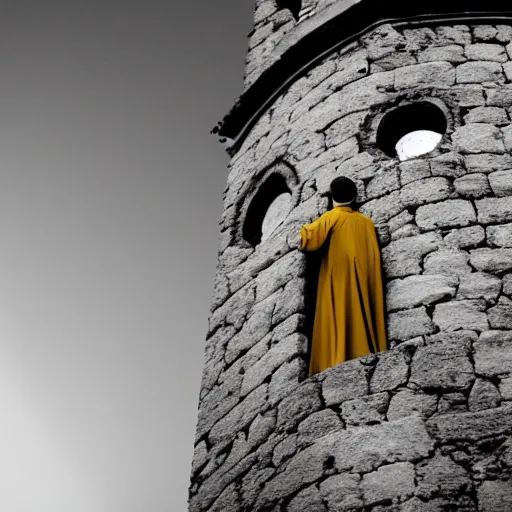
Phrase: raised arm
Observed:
(312, 236)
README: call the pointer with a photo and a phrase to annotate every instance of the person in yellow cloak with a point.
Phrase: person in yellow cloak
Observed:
(349, 315)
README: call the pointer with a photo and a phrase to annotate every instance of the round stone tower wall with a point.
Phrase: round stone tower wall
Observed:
(425, 426)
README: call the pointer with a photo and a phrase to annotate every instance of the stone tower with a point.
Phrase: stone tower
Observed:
(331, 87)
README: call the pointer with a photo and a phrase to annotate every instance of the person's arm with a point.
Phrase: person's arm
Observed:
(312, 236)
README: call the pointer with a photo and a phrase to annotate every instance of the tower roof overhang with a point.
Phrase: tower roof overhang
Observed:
(332, 28)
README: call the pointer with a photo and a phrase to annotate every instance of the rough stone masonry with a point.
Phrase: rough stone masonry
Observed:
(427, 425)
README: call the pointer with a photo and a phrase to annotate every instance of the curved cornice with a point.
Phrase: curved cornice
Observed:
(331, 29)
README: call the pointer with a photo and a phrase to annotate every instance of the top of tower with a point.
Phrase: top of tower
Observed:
(289, 36)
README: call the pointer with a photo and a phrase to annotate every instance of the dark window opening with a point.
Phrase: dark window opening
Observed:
(411, 130)
(259, 221)
(294, 6)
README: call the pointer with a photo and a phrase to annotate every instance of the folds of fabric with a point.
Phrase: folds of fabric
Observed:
(349, 314)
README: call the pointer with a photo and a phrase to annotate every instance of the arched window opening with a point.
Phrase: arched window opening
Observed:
(294, 6)
(412, 130)
(267, 210)
(276, 214)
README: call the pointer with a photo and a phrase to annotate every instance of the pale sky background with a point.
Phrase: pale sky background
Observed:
(110, 197)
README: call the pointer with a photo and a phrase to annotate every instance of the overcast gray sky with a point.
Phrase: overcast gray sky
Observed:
(110, 196)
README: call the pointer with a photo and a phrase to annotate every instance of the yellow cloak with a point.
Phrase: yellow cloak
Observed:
(349, 315)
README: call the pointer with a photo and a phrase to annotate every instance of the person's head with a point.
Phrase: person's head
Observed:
(343, 190)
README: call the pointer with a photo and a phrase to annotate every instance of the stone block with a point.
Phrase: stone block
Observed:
(500, 316)
(469, 95)
(289, 326)
(431, 74)
(388, 483)
(253, 481)
(499, 236)
(457, 34)
(484, 395)
(507, 68)
(486, 52)
(390, 372)
(368, 410)
(413, 291)
(292, 301)
(479, 72)
(451, 213)
(472, 185)
(452, 402)
(393, 61)
(305, 144)
(405, 231)
(228, 501)
(285, 380)
(344, 382)
(200, 456)
(495, 496)
(403, 257)
(465, 238)
(441, 476)
(304, 468)
(276, 276)
(449, 261)
(383, 208)
(405, 325)
(494, 210)
(493, 353)
(368, 447)
(382, 183)
(419, 37)
(344, 129)
(491, 260)
(507, 284)
(471, 426)
(484, 32)
(411, 403)
(234, 310)
(363, 166)
(318, 425)
(449, 165)
(464, 338)
(240, 416)
(440, 366)
(359, 95)
(307, 499)
(413, 170)
(451, 53)
(429, 190)
(487, 162)
(463, 314)
(284, 450)
(501, 183)
(280, 353)
(252, 332)
(501, 97)
(478, 138)
(382, 41)
(341, 492)
(261, 427)
(479, 285)
(505, 387)
(304, 401)
(490, 115)
(400, 220)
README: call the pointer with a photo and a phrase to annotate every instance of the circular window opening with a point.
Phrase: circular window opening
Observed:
(412, 130)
